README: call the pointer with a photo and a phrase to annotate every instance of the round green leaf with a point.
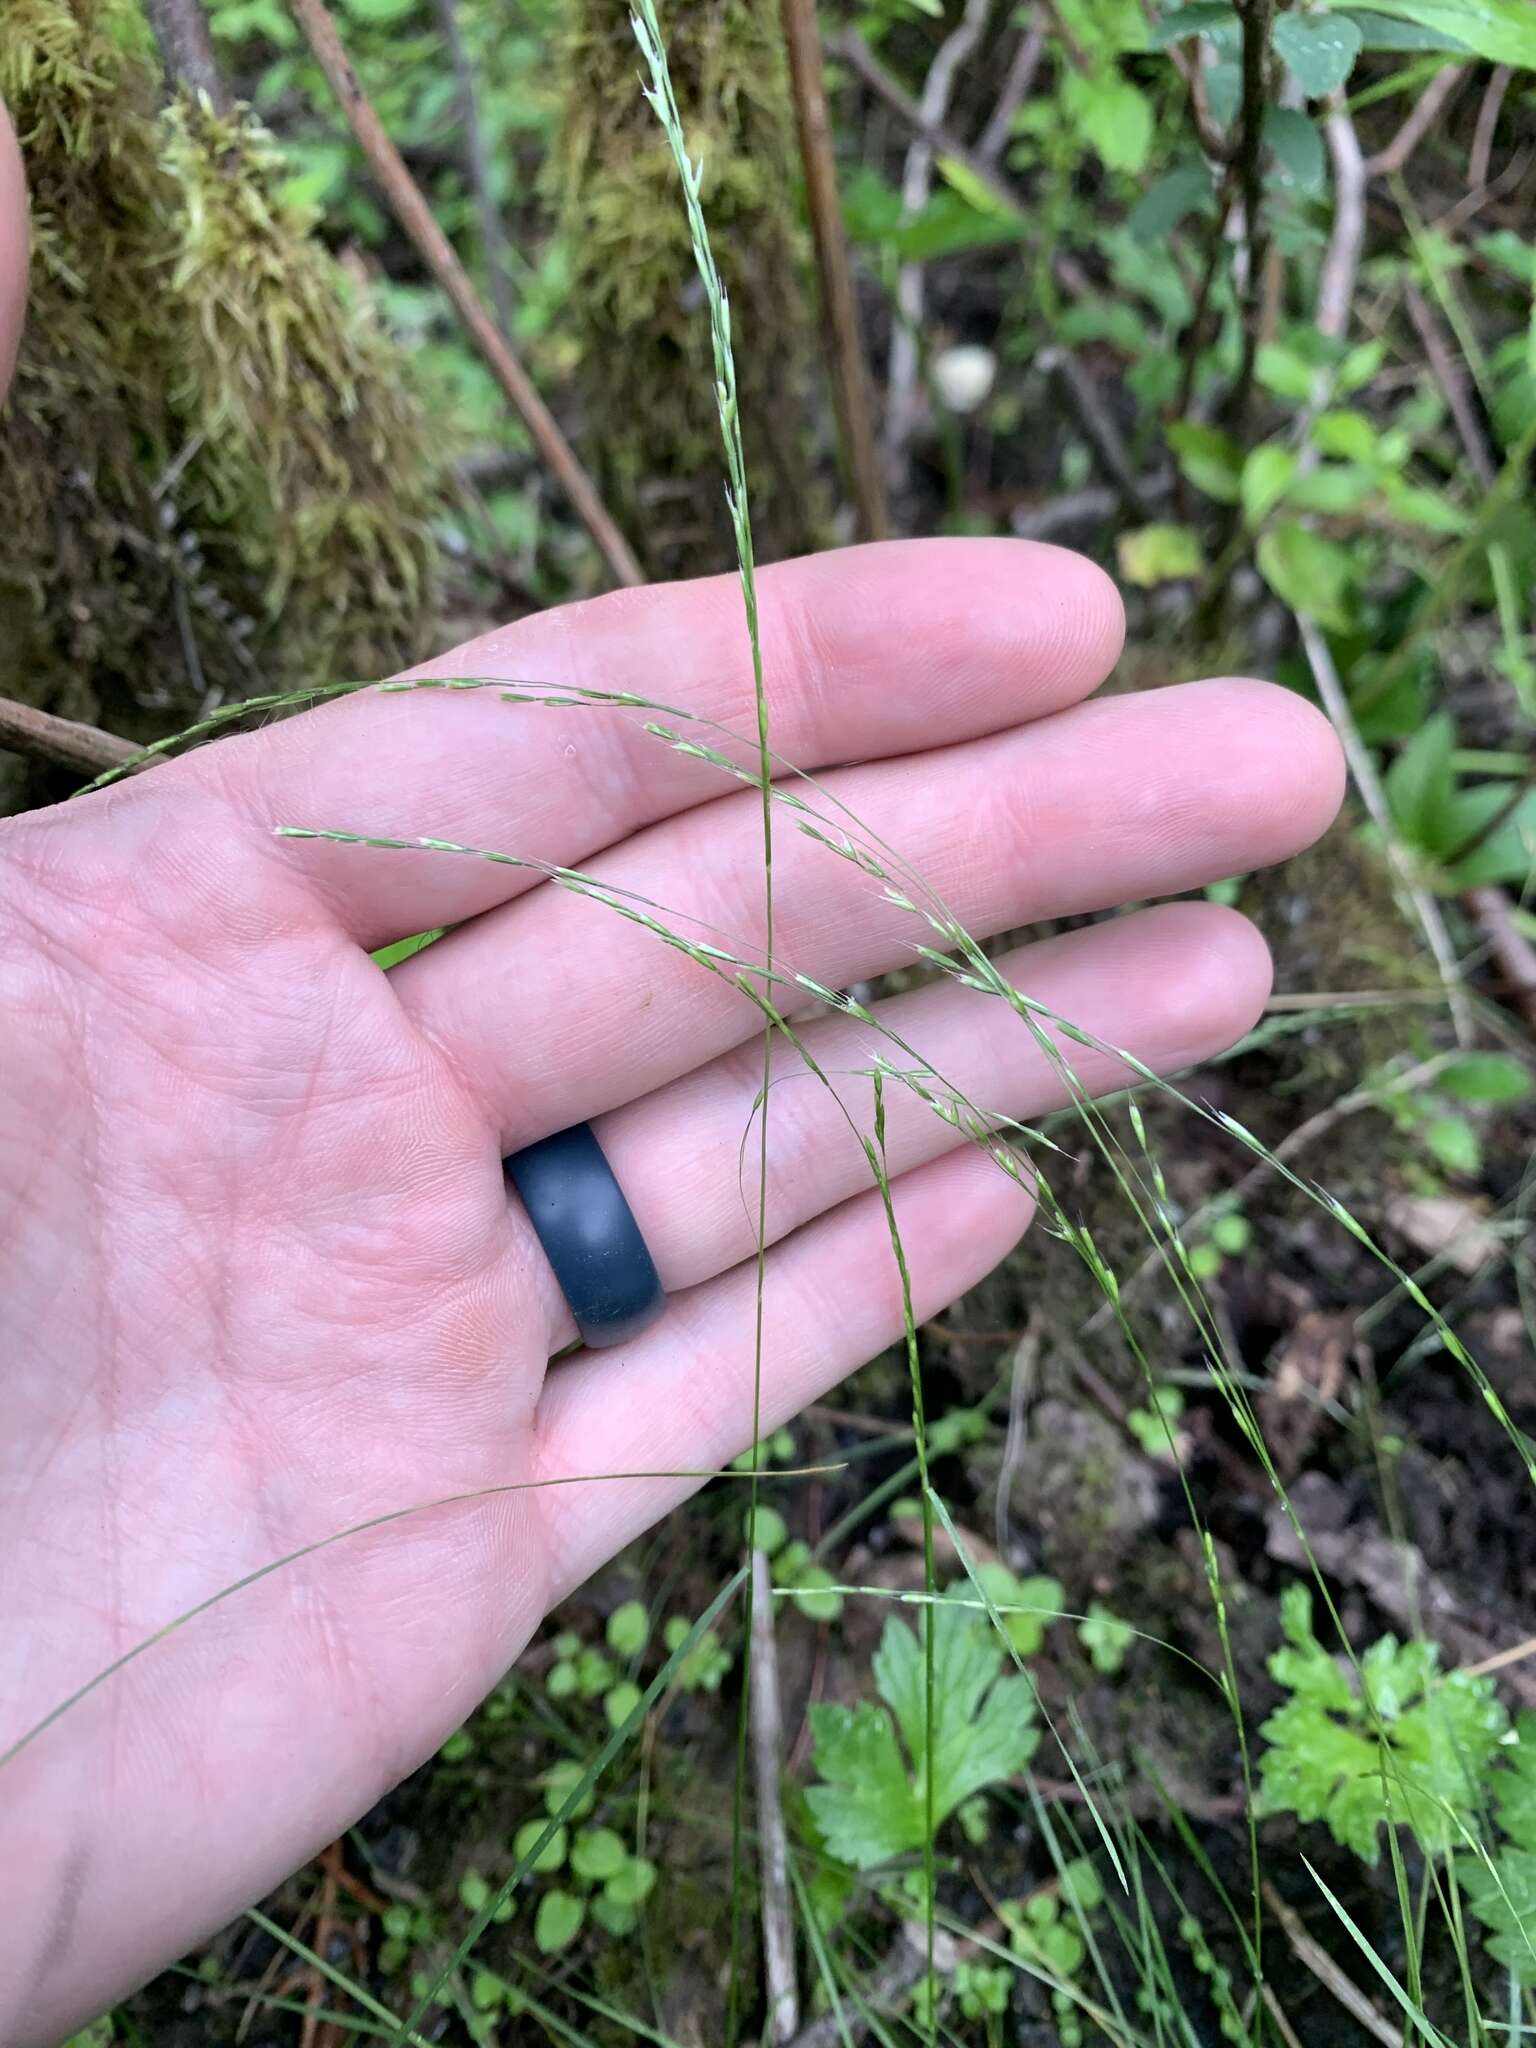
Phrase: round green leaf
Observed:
(629, 1629)
(597, 1853)
(766, 1529)
(633, 1884)
(621, 1702)
(553, 1853)
(558, 1923)
(1319, 50)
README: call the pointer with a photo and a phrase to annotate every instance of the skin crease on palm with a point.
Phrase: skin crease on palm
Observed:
(261, 1278)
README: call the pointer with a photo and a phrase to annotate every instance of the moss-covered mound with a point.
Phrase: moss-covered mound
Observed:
(214, 472)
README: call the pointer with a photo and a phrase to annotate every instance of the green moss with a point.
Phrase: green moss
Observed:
(640, 330)
(215, 471)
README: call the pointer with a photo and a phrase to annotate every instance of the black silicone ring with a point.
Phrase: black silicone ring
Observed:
(589, 1235)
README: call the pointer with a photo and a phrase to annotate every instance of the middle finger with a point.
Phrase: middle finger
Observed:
(554, 1008)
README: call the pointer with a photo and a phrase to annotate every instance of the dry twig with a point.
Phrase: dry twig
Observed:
(850, 367)
(767, 1755)
(416, 220)
(477, 169)
(1314, 1957)
(180, 29)
(1422, 116)
(1363, 769)
(1490, 909)
(995, 137)
(65, 742)
(1487, 121)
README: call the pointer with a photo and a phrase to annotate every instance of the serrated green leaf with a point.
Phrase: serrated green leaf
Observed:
(1319, 50)
(870, 1806)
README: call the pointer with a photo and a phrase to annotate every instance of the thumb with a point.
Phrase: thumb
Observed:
(13, 249)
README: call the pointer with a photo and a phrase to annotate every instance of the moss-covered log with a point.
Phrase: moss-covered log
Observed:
(214, 472)
(640, 327)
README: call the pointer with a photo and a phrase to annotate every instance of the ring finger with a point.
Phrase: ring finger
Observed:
(1170, 986)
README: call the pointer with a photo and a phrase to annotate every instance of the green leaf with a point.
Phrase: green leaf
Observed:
(633, 1884)
(1159, 554)
(1319, 50)
(1508, 854)
(813, 1593)
(1300, 163)
(614, 1919)
(1211, 460)
(1383, 32)
(597, 1853)
(621, 1702)
(1187, 189)
(1421, 784)
(766, 1530)
(1216, 20)
(870, 1806)
(629, 1628)
(1113, 116)
(1333, 487)
(1503, 31)
(1105, 1637)
(558, 1922)
(554, 1850)
(1267, 476)
(1486, 1077)
(1413, 1748)
(560, 1781)
(1347, 434)
(1454, 1143)
(1285, 371)
(1310, 573)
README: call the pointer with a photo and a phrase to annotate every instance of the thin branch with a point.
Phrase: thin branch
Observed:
(1341, 262)
(63, 742)
(773, 1842)
(852, 49)
(1423, 905)
(1451, 378)
(1314, 1957)
(881, 1993)
(1247, 173)
(850, 367)
(1487, 121)
(1421, 118)
(917, 177)
(1022, 72)
(415, 218)
(1491, 911)
(180, 29)
(1097, 421)
(477, 168)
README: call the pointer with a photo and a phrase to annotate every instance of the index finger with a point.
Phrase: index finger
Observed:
(868, 651)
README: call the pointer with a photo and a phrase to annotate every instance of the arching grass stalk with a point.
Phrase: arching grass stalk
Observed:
(663, 104)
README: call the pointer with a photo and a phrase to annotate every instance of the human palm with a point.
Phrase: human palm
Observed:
(263, 1279)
